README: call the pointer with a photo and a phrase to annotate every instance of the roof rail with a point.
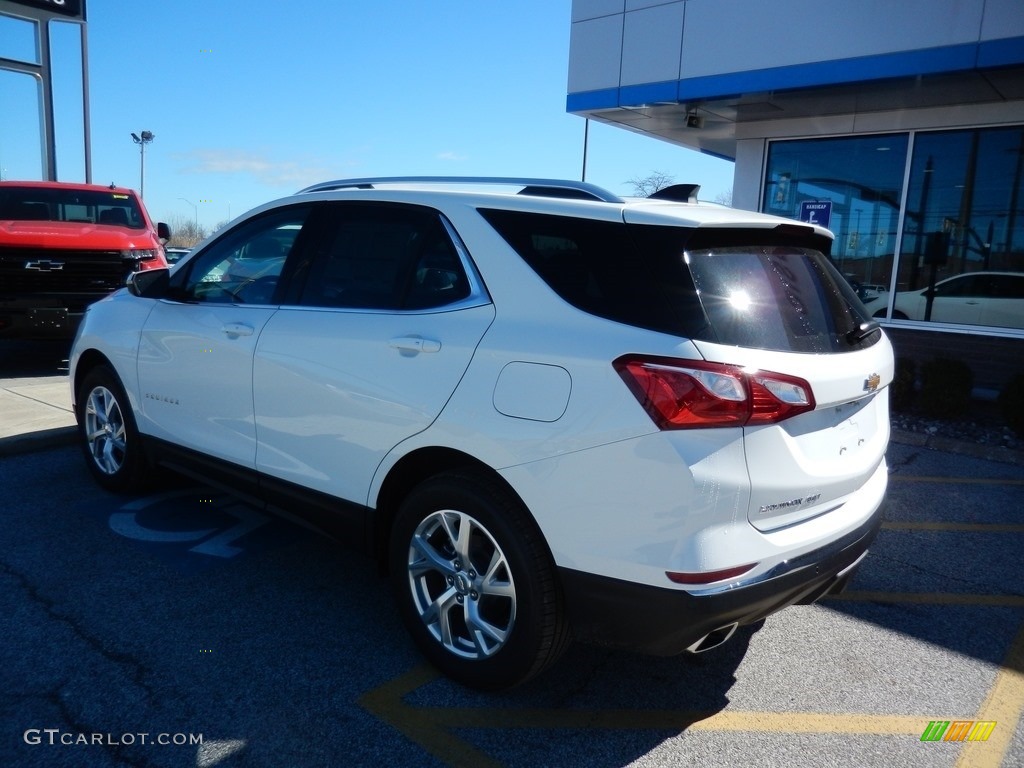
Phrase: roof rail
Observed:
(542, 187)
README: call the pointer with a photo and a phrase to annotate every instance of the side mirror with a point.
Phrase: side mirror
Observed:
(163, 232)
(149, 284)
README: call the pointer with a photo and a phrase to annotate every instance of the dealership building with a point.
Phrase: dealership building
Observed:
(897, 125)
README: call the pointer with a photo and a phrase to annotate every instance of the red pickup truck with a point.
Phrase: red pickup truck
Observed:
(63, 246)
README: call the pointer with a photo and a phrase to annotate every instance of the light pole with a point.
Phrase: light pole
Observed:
(195, 209)
(142, 140)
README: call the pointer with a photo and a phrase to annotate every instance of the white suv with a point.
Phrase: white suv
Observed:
(550, 412)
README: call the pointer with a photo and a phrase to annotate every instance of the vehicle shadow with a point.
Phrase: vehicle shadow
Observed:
(23, 359)
(294, 618)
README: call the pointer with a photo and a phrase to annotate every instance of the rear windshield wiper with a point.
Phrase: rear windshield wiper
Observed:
(862, 331)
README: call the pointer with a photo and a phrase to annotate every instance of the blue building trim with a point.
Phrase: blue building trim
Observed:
(1001, 53)
(929, 61)
(649, 93)
(605, 98)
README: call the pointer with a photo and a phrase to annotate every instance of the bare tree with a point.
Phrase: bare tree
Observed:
(724, 198)
(185, 232)
(648, 185)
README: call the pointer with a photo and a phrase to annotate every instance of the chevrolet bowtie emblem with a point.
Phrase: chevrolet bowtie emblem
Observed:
(871, 382)
(45, 265)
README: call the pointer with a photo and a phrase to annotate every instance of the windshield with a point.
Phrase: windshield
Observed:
(83, 206)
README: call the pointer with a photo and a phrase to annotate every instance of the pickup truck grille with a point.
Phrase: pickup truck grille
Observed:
(33, 271)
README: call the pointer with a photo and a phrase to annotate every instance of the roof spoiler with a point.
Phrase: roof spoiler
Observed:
(680, 193)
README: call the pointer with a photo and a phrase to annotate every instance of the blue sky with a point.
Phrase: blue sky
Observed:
(250, 101)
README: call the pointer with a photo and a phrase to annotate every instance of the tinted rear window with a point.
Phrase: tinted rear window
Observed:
(776, 297)
(749, 288)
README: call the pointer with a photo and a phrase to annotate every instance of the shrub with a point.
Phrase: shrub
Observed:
(1011, 403)
(945, 388)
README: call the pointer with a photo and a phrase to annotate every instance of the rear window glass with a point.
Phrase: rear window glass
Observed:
(776, 297)
(750, 288)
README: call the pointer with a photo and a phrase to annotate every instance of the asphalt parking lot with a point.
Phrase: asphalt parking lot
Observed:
(182, 628)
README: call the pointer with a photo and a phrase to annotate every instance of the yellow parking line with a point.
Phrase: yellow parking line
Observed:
(931, 598)
(1004, 706)
(420, 724)
(683, 720)
(898, 478)
(430, 727)
(896, 525)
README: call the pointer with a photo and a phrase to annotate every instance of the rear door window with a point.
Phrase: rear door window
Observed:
(596, 266)
(385, 256)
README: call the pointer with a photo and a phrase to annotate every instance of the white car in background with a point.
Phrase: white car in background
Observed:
(551, 413)
(972, 298)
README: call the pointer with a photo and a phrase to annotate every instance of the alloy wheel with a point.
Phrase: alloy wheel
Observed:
(461, 584)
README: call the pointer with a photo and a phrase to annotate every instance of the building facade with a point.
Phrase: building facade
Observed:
(899, 126)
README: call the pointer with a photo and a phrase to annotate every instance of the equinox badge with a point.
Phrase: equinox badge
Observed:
(45, 265)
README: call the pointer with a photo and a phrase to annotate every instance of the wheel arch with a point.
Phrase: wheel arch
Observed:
(88, 361)
(410, 471)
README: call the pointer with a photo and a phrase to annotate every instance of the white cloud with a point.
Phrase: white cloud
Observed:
(451, 155)
(274, 173)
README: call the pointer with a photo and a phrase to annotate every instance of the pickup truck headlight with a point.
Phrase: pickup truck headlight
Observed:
(139, 254)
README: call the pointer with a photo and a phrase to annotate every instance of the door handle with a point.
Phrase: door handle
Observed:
(234, 330)
(414, 344)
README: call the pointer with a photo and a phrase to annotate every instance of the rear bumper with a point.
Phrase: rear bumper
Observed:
(665, 622)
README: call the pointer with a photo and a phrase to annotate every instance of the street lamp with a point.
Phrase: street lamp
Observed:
(195, 209)
(142, 140)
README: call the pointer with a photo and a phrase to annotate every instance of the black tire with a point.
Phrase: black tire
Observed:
(475, 582)
(108, 434)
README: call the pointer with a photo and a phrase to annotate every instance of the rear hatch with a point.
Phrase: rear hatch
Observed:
(773, 306)
(780, 307)
(789, 351)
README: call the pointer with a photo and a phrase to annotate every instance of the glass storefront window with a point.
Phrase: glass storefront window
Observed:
(860, 181)
(21, 130)
(962, 252)
(960, 258)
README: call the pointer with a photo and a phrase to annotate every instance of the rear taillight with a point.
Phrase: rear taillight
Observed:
(694, 394)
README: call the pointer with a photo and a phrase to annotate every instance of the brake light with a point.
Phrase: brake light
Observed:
(694, 394)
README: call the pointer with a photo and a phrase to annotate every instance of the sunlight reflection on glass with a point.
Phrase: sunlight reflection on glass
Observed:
(740, 300)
